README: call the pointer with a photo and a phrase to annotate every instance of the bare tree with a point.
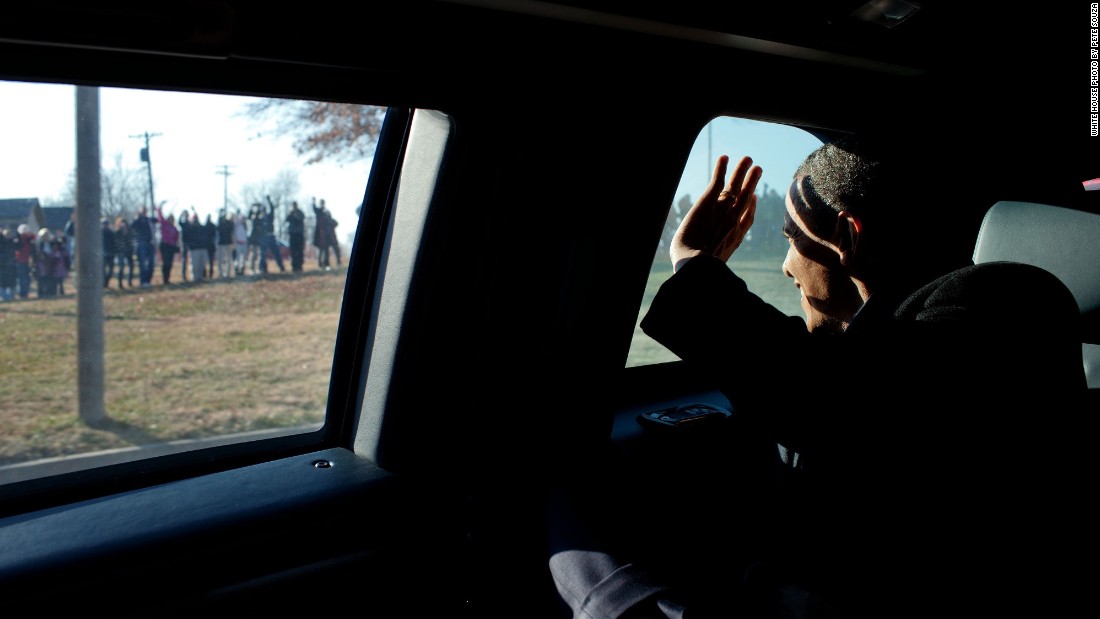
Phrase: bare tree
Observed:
(281, 190)
(321, 130)
(123, 190)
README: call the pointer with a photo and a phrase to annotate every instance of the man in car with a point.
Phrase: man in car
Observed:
(923, 413)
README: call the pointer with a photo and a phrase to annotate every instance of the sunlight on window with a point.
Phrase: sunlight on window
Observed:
(778, 150)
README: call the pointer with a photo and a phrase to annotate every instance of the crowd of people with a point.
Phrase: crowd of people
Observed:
(43, 256)
(233, 245)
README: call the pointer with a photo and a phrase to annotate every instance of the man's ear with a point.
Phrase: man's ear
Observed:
(849, 232)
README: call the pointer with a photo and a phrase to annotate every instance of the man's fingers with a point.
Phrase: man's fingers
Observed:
(748, 186)
(719, 173)
(750, 213)
(739, 174)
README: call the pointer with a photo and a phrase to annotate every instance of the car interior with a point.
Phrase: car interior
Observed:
(534, 158)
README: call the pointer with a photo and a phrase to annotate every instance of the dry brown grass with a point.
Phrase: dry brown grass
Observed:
(200, 361)
(180, 362)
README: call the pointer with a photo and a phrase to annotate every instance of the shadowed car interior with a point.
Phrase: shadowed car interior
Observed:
(504, 226)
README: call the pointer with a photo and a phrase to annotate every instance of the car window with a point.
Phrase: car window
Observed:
(198, 303)
(776, 148)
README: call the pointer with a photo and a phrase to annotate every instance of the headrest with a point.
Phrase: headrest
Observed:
(1061, 240)
(1064, 241)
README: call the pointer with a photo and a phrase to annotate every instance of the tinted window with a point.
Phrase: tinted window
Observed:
(776, 148)
(103, 363)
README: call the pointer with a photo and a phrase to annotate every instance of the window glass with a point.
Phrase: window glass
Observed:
(778, 149)
(203, 309)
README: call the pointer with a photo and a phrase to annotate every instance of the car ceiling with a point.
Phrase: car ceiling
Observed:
(932, 38)
(988, 73)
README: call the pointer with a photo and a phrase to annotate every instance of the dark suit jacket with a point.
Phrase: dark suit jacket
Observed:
(934, 436)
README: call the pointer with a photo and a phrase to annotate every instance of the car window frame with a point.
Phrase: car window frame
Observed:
(344, 393)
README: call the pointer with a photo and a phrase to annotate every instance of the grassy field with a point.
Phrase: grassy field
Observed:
(183, 361)
(763, 276)
(199, 361)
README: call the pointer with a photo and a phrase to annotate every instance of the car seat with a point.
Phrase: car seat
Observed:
(1061, 240)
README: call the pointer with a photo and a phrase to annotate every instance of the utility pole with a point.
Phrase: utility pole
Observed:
(224, 171)
(89, 260)
(148, 159)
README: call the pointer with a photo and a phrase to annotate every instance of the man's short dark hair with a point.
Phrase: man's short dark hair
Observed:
(844, 174)
(872, 178)
(885, 181)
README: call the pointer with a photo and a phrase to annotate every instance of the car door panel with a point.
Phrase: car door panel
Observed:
(327, 523)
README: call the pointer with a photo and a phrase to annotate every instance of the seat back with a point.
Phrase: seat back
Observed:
(1061, 240)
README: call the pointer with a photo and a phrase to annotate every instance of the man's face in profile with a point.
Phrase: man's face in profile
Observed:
(829, 299)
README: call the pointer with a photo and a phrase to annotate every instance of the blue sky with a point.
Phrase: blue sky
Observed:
(198, 136)
(777, 149)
